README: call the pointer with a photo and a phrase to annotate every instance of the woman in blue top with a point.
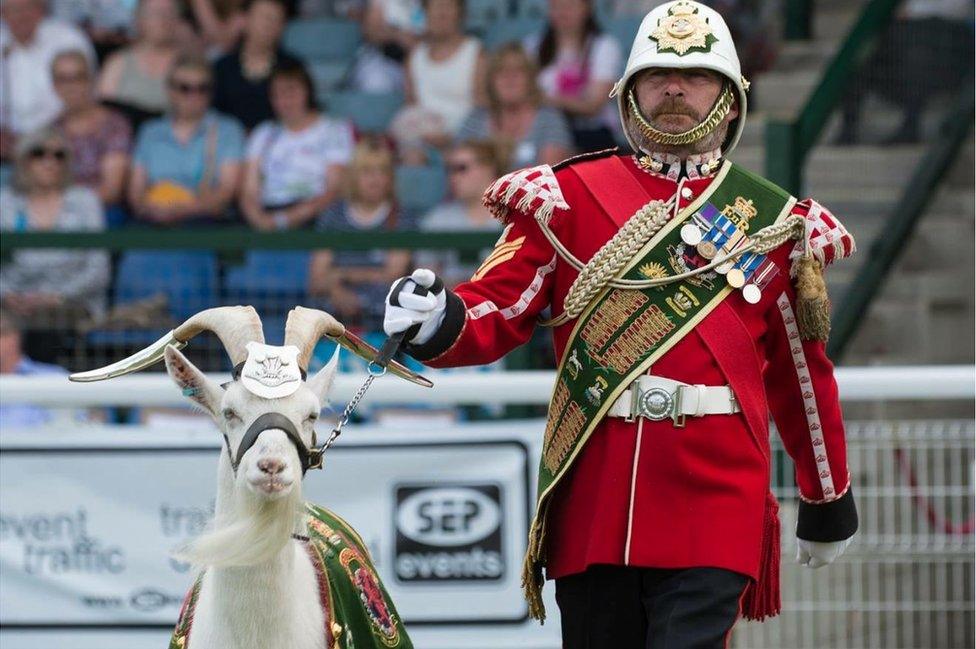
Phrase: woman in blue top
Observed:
(187, 165)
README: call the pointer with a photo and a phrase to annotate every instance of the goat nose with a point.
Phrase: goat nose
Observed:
(270, 466)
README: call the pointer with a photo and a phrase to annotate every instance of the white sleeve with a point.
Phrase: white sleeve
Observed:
(605, 58)
(341, 142)
(257, 142)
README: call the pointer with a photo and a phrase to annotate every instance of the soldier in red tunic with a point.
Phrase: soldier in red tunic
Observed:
(686, 301)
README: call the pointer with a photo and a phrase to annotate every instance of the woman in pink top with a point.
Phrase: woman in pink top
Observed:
(578, 66)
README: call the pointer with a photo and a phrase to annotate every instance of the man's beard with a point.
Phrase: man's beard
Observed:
(709, 142)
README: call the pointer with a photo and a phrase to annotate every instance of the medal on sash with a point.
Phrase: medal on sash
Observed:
(763, 274)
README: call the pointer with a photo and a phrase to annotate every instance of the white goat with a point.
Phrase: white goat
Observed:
(261, 588)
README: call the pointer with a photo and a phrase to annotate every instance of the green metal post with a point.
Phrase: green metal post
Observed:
(798, 21)
(784, 158)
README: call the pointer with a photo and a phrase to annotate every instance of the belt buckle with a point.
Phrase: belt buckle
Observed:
(657, 404)
(677, 416)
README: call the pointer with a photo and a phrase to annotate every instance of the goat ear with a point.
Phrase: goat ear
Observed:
(194, 383)
(321, 382)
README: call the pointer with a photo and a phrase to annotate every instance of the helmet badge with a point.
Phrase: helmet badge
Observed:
(683, 30)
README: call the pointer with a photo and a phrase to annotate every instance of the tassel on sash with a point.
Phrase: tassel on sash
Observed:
(762, 596)
(532, 578)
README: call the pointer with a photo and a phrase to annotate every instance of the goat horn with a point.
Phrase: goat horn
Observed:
(234, 325)
(305, 327)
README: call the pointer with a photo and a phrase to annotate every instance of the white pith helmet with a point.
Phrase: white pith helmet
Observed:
(681, 35)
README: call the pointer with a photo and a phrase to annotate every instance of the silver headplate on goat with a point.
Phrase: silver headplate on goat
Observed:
(271, 371)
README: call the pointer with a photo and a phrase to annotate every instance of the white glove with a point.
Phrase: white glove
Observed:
(814, 554)
(409, 303)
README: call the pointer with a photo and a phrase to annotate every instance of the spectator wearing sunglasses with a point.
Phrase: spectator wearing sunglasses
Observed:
(295, 163)
(50, 289)
(100, 138)
(471, 166)
(187, 164)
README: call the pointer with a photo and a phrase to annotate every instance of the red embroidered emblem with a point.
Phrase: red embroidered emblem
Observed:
(818, 442)
(808, 395)
(371, 595)
(825, 474)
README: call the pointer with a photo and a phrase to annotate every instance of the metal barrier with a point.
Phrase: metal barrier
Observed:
(906, 581)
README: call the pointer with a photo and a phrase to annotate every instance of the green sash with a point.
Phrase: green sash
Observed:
(623, 332)
(361, 615)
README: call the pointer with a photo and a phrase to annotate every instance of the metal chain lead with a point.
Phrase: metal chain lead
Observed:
(348, 410)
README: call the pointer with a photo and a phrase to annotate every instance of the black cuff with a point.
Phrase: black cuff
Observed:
(445, 335)
(833, 521)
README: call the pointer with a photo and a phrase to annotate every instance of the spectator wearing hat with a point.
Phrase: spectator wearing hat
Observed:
(100, 138)
(29, 41)
(187, 165)
(296, 162)
(532, 133)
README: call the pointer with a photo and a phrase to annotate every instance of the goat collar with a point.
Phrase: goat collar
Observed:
(309, 457)
(271, 371)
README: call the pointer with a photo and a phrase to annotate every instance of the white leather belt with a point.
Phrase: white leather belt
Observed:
(658, 398)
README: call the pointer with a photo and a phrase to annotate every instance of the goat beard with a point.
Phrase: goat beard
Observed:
(254, 532)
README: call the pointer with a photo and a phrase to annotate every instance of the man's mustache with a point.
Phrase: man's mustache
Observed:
(675, 106)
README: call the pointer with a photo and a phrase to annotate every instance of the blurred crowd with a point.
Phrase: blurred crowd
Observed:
(334, 115)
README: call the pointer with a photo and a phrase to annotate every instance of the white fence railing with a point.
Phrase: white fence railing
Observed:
(527, 387)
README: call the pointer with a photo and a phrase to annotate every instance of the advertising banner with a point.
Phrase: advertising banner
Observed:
(88, 522)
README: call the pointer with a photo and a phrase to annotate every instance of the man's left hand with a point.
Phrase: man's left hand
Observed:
(814, 554)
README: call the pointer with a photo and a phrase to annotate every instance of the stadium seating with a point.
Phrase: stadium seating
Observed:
(369, 112)
(420, 188)
(479, 14)
(623, 29)
(188, 279)
(318, 39)
(328, 75)
(514, 30)
(272, 281)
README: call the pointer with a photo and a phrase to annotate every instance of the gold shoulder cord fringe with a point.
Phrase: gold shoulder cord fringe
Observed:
(606, 265)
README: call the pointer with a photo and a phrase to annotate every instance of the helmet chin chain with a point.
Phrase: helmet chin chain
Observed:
(715, 117)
